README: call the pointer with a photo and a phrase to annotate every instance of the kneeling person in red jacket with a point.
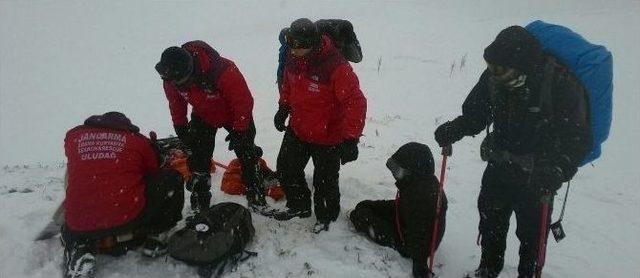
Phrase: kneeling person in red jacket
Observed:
(115, 190)
(406, 223)
(321, 96)
(195, 74)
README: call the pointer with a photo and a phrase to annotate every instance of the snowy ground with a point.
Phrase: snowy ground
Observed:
(62, 61)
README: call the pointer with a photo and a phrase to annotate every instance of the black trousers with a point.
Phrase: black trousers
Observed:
(202, 146)
(292, 159)
(376, 219)
(163, 209)
(505, 190)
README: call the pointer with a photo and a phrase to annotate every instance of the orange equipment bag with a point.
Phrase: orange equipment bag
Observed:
(178, 162)
(232, 180)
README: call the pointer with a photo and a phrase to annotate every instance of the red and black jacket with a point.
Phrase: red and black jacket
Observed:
(323, 96)
(107, 163)
(217, 93)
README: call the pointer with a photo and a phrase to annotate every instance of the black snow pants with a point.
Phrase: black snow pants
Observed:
(292, 159)
(203, 138)
(505, 190)
(377, 219)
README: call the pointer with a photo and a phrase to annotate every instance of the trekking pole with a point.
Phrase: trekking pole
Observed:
(446, 152)
(556, 228)
(542, 240)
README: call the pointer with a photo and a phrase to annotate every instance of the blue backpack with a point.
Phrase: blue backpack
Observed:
(592, 65)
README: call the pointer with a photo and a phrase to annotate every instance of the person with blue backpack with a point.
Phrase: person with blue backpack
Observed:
(542, 132)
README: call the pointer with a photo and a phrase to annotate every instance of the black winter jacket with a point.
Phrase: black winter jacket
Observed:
(547, 117)
(416, 210)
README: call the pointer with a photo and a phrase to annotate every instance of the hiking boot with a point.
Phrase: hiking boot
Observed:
(291, 213)
(155, 245)
(200, 201)
(199, 181)
(482, 272)
(320, 227)
(79, 262)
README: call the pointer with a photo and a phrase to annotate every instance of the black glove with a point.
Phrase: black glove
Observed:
(546, 179)
(234, 138)
(182, 131)
(448, 133)
(348, 151)
(421, 271)
(280, 118)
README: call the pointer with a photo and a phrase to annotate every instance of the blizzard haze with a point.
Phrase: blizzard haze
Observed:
(62, 61)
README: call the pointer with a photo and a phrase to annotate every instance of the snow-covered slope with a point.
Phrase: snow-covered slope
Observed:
(63, 61)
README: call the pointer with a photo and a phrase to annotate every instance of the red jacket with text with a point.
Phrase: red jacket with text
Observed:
(107, 162)
(323, 96)
(217, 92)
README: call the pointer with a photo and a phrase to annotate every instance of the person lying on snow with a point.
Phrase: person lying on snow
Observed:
(117, 196)
(406, 223)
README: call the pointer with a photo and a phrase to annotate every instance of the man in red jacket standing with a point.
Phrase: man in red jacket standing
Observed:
(115, 190)
(321, 96)
(195, 74)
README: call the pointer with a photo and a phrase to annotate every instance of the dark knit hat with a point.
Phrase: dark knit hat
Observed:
(516, 48)
(175, 64)
(113, 120)
(303, 33)
(416, 158)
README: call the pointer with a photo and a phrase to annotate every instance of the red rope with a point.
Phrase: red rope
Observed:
(542, 244)
(436, 220)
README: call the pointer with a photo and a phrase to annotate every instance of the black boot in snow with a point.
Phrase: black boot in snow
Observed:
(79, 261)
(292, 213)
(199, 181)
(320, 227)
(155, 245)
(482, 272)
(258, 204)
(200, 201)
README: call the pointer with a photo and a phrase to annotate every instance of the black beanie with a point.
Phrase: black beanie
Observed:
(303, 33)
(175, 63)
(514, 47)
(416, 158)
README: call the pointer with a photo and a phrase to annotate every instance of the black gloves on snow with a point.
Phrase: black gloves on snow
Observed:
(280, 118)
(348, 151)
(421, 271)
(448, 133)
(546, 179)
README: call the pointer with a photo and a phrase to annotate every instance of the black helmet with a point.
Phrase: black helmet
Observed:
(303, 33)
(175, 64)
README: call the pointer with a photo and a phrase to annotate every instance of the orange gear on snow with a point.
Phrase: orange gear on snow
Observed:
(179, 163)
(232, 181)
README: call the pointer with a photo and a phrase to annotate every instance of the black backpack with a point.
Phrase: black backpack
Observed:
(341, 33)
(214, 240)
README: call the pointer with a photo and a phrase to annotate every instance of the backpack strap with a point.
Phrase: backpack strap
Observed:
(208, 64)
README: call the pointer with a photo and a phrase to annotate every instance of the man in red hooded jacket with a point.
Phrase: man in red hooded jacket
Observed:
(321, 96)
(195, 74)
(115, 189)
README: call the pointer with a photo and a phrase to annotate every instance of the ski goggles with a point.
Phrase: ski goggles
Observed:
(397, 171)
(298, 43)
(506, 75)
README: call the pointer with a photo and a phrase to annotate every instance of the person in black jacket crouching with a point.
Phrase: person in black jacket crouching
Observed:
(406, 223)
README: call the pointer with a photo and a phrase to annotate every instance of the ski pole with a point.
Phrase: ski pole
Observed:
(542, 240)
(446, 152)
